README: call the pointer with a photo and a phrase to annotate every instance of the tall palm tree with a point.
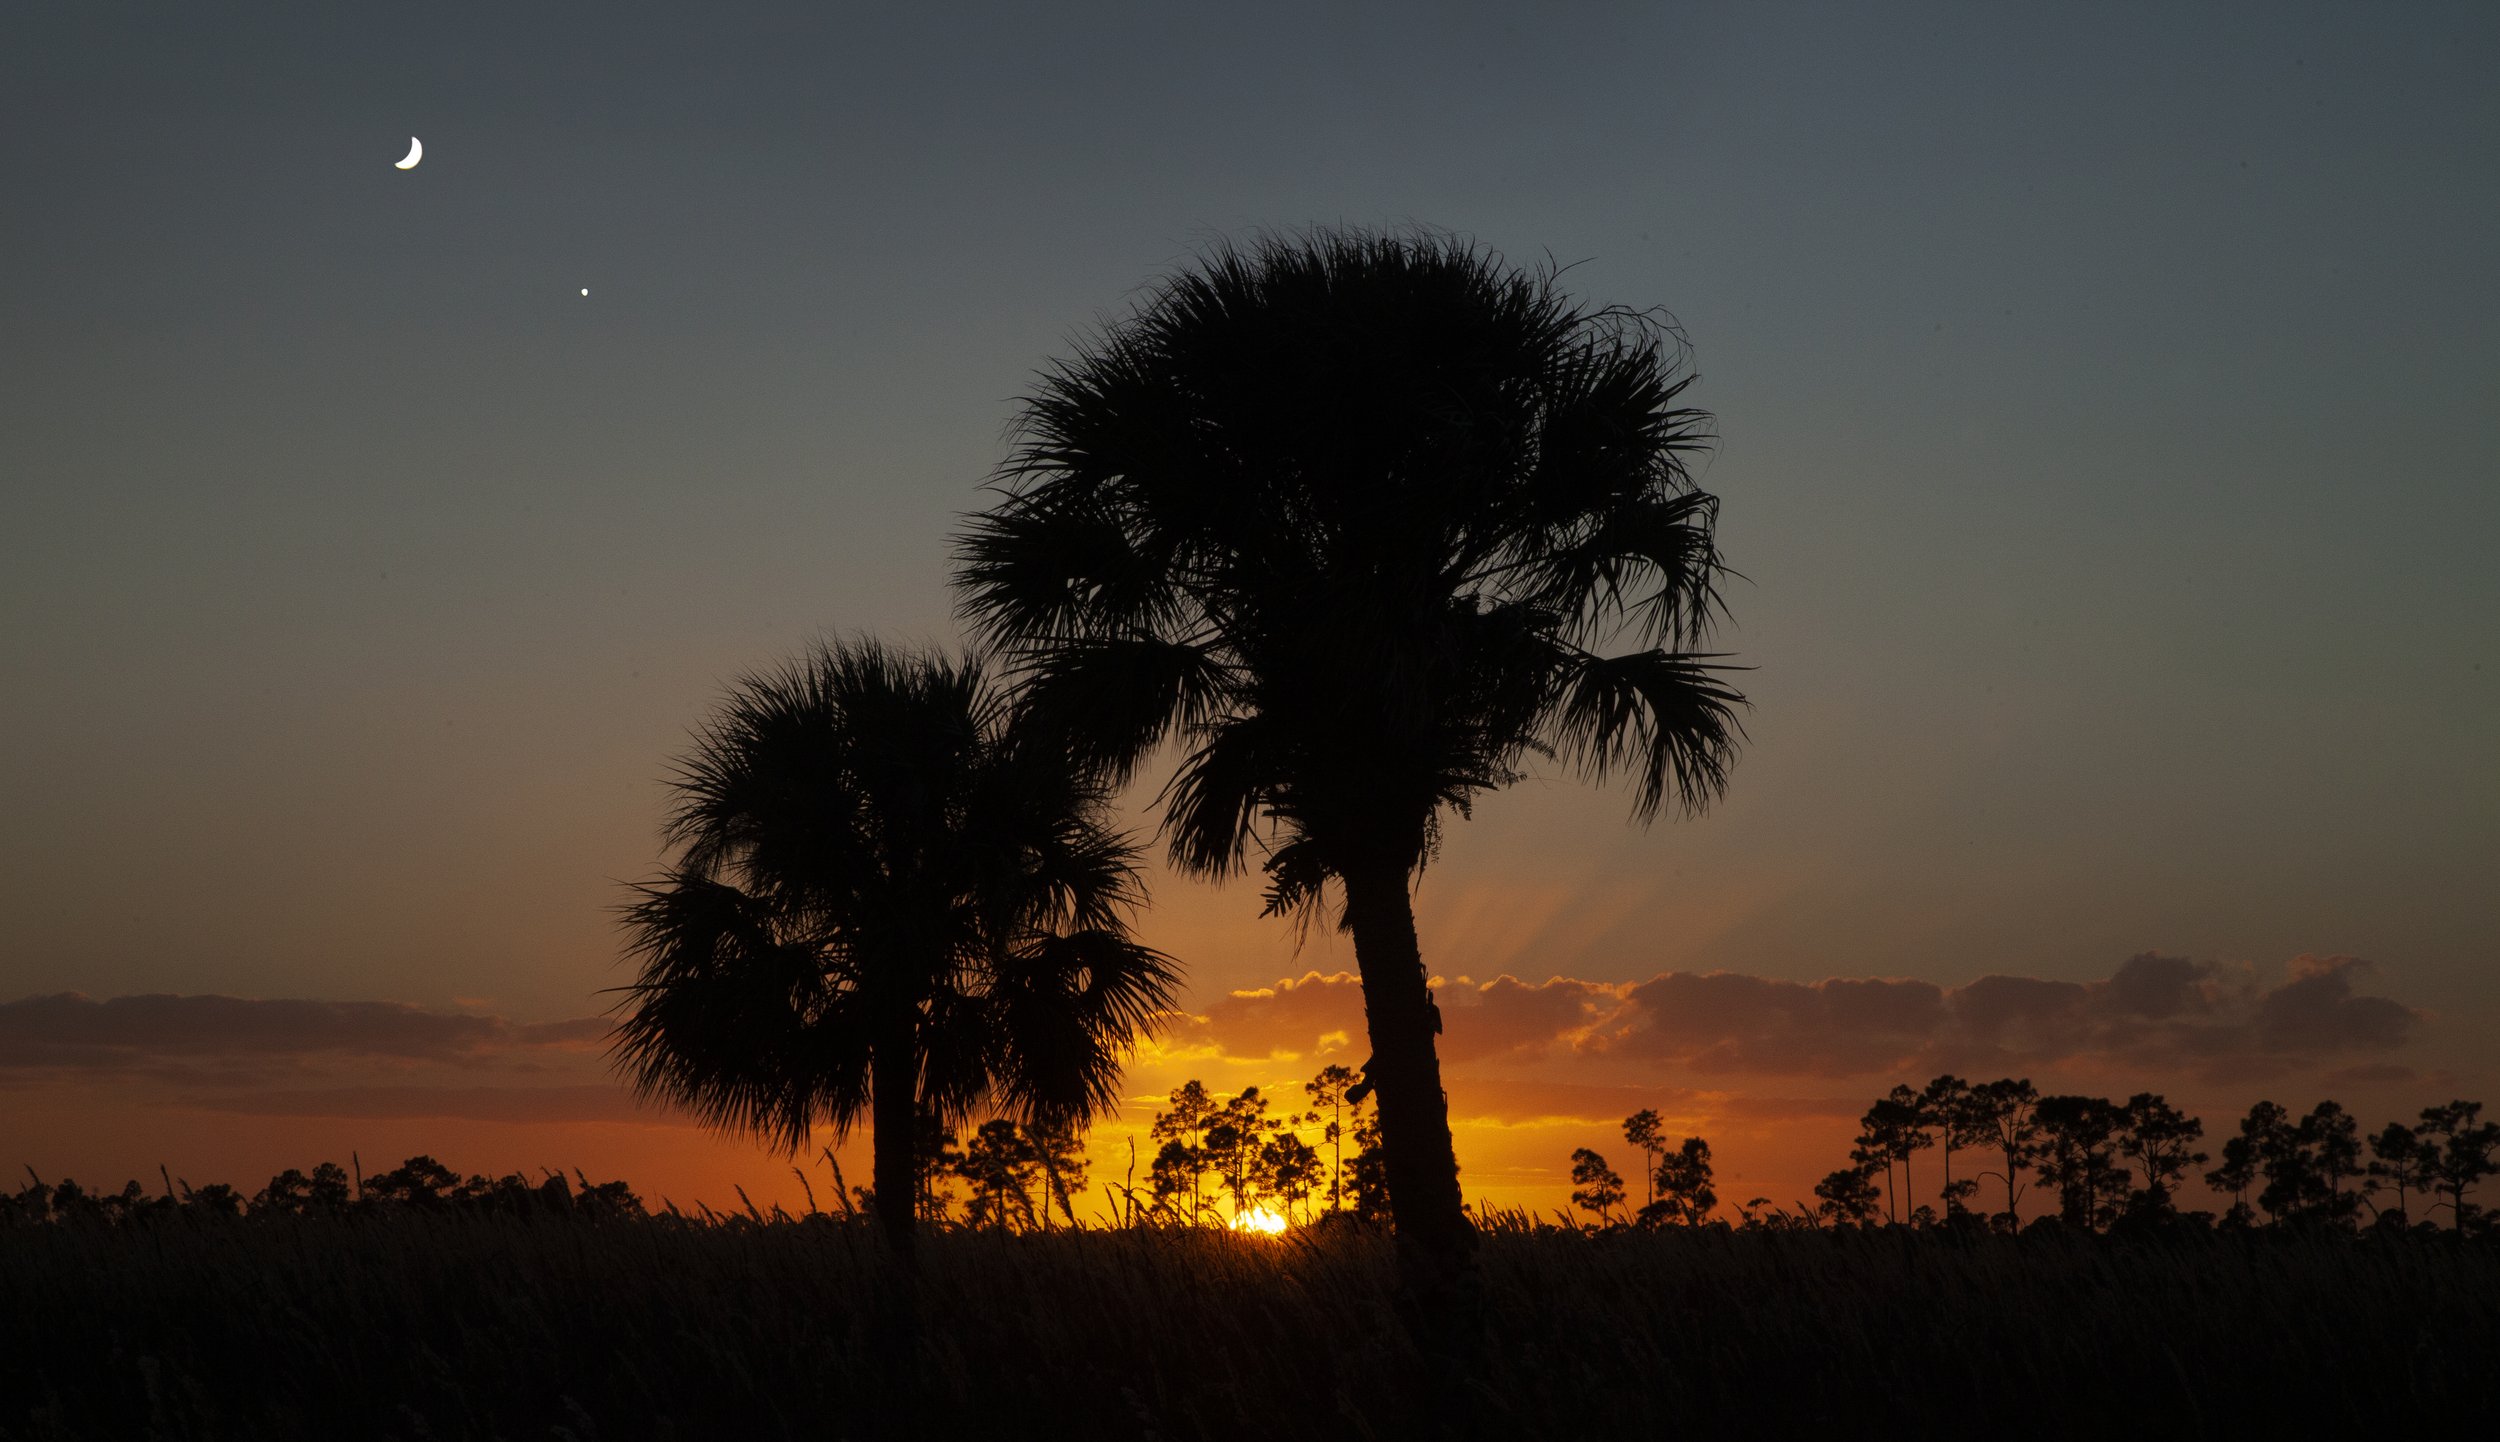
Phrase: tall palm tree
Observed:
(1364, 521)
(885, 903)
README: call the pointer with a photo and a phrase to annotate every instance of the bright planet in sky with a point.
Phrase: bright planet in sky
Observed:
(416, 152)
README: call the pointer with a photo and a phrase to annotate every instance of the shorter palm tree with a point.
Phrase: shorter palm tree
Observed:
(885, 903)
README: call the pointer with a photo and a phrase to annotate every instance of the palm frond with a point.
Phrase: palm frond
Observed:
(1032, 570)
(1073, 1004)
(733, 1021)
(1212, 801)
(1654, 558)
(1663, 714)
(1297, 879)
(1107, 701)
(963, 1049)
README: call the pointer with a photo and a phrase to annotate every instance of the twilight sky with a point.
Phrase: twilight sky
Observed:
(2106, 400)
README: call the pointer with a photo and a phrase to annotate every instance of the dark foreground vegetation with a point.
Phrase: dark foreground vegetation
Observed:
(544, 1322)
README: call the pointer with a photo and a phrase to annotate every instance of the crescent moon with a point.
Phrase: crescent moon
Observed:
(416, 152)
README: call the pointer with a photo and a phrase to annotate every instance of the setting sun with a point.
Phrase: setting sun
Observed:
(1261, 1220)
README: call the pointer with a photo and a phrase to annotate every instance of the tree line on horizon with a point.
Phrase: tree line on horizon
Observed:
(1219, 1159)
(419, 1184)
(2108, 1164)
(2111, 1167)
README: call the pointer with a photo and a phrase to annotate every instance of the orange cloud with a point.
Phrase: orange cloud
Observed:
(1508, 1018)
(1321, 1014)
(1297, 1018)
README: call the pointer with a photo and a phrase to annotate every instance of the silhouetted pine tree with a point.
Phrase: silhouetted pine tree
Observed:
(2159, 1138)
(1596, 1187)
(1327, 1092)
(2076, 1155)
(2003, 1116)
(2399, 1157)
(2463, 1146)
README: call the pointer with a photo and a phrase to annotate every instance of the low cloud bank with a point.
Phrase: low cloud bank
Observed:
(2154, 1012)
(200, 1037)
(1517, 1050)
(211, 1045)
(586, 1103)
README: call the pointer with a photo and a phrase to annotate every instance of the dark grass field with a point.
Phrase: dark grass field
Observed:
(462, 1325)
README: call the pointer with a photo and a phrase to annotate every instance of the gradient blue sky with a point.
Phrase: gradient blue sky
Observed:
(2106, 394)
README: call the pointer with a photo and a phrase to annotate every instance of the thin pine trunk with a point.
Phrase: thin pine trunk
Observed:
(1336, 1161)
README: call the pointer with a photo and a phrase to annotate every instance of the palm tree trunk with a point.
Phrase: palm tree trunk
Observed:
(894, 1114)
(895, 1118)
(1435, 1241)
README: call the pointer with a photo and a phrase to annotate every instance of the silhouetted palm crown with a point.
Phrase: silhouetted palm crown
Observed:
(1366, 520)
(881, 893)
